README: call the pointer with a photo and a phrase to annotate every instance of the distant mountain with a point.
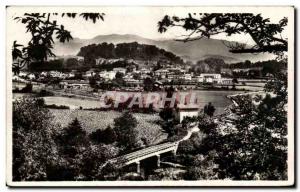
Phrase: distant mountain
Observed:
(192, 51)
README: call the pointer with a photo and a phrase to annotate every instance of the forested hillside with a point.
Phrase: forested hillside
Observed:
(127, 51)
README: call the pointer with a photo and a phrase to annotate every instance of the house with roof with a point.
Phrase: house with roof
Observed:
(108, 75)
(186, 111)
(210, 78)
(162, 73)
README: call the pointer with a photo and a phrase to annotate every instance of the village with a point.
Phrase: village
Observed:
(87, 88)
(133, 77)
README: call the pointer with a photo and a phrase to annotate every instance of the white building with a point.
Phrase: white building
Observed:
(71, 74)
(187, 76)
(56, 74)
(108, 75)
(23, 74)
(31, 76)
(18, 79)
(210, 78)
(75, 85)
(90, 73)
(43, 74)
(161, 73)
(176, 70)
(226, 81)
(182, 112)
(144, 71)
(101, 61)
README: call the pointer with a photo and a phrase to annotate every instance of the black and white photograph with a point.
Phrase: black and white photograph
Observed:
(150, 96)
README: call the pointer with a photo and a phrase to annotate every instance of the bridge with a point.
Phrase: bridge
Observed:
(152, 151)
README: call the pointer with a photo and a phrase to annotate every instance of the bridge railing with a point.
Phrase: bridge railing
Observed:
(143, 152)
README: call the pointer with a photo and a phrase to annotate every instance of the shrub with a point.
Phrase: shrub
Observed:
(106, 136)
(53, 106)
(27, 88)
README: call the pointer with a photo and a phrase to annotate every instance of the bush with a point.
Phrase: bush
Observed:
(53, 106)
(106, 136)
(27, 88)
(192, 145)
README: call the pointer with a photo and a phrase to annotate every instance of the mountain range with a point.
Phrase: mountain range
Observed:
(189, 51)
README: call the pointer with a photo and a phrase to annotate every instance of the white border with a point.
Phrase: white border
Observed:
(290, 181)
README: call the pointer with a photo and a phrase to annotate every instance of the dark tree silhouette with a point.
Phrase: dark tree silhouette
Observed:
(148, 84)
(73, 138)
(106, 136)
(265, 34)
(209, 109)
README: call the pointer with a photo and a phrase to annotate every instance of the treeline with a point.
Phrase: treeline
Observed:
(215, 65)
(54, 65)
(269, 65)
(128, 51)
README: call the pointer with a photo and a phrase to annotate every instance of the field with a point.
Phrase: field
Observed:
(92, 120)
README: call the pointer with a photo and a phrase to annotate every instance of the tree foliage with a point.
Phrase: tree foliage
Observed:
(265, 34)
(106, 136)
(38, 66)
(34, 149)
(125, 129)
(132, 50)
(209, 109)
(43, 31)
(43, 153)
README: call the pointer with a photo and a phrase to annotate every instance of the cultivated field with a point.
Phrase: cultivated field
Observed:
(92, 120)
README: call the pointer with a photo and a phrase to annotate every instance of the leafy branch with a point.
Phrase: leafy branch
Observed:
(43, 29)
(266, 35)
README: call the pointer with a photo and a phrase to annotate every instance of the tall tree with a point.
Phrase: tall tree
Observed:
(34, 149)
(125, 128)
(209, 109)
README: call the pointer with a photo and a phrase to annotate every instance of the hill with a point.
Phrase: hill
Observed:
(193, 51)
(133, 50)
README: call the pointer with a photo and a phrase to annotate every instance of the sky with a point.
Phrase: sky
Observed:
(140, 21)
